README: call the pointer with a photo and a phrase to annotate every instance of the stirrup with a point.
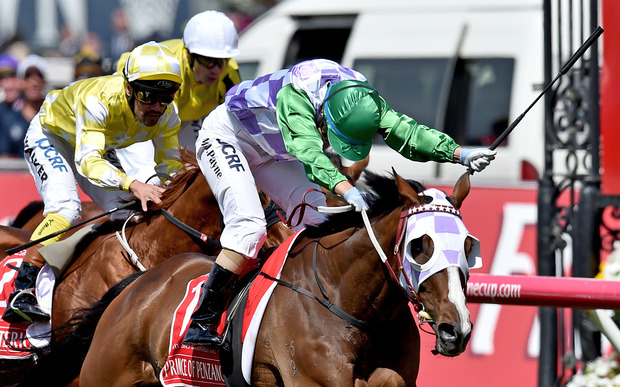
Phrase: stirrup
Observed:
(11, 306)
(197, 335)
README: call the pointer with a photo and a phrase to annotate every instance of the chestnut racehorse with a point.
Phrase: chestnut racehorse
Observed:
(370, 340)
(102, 262)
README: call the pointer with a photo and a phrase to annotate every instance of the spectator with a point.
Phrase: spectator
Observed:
(69, 42)
(87, 64)
(9, 84)
(33, 71)
(12, 125)
(121, 40)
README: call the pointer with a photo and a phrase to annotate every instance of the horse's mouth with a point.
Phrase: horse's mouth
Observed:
(450, 341)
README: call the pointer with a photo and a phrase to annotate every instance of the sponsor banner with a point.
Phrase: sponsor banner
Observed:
(17, 191)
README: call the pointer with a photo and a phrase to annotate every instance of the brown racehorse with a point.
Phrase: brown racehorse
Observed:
(300, 342)
(27, 220)
(102, 262)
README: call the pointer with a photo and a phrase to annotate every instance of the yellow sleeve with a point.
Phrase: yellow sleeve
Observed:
(90, 143)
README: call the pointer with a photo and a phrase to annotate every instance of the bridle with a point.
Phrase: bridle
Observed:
(406, 212)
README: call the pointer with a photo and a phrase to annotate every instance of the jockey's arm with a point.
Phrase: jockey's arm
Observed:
(296, 118)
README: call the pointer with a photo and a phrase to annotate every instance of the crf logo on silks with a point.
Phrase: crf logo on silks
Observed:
(52, 156)
(229, 152)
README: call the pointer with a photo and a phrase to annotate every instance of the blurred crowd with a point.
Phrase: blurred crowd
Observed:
(24, 75)
(22, 89)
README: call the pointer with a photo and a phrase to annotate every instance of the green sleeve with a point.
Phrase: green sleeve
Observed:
(296, 117)
(415, 141)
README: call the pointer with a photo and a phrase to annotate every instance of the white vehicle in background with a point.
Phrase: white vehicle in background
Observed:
(466, 67)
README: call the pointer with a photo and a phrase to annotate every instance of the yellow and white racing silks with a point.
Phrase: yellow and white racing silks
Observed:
(94, 116)
(194, 99)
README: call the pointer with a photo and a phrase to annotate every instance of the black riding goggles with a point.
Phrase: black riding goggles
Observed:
(151, 98)
(210, 62)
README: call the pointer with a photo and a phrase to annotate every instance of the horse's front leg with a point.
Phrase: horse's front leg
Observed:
(383, 377)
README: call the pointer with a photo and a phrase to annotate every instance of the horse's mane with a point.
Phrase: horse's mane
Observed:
(179, 184)
(383, 198)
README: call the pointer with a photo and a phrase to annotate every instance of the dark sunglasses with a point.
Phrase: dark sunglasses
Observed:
(150, 98)
(210, 62)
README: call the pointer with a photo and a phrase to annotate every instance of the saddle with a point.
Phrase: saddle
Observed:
(58, 255)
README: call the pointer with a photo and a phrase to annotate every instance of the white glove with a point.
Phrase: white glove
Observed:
(354, 197)
(477, 158)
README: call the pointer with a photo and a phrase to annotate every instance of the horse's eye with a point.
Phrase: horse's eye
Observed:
(417, 246)
(421, 249)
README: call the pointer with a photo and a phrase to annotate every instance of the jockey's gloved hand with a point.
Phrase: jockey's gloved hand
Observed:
(354, 197)
(476, 159)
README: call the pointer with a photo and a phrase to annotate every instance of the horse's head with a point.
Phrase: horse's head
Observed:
(437, 254)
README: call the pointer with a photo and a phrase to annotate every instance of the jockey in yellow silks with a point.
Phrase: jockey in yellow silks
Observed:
(68, 140)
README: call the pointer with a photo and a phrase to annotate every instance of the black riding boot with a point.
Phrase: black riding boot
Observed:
(214, 299)
(25, 306)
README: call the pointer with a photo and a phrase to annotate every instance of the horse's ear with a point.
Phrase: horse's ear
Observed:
(461, 189)
(407, 194)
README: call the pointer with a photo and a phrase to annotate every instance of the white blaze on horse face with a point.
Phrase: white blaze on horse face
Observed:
(457, 297)
(441, 222)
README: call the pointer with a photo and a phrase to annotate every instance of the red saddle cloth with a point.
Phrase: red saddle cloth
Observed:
(189, 365)
(199, 366)
(14, 338)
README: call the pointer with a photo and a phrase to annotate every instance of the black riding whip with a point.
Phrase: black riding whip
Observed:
(14, 250)
(563, 71)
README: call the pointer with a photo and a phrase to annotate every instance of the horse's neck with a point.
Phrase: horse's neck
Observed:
(363, 276)
(196, 208)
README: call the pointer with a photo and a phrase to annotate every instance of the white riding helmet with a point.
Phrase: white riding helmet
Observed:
(211, 34)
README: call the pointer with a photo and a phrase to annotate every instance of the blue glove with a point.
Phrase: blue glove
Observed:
(477, 158)
(354, 197)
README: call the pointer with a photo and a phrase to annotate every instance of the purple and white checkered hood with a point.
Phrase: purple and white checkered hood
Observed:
(442, 222)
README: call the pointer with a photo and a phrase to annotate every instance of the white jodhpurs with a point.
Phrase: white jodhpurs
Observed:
(51, 164)
(235, 166)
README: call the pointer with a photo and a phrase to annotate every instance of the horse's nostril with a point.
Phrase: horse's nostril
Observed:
(447, 332)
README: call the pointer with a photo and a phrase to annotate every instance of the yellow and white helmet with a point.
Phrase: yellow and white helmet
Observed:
(153, 64)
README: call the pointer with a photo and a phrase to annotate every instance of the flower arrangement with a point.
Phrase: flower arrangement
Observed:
(603, 371)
